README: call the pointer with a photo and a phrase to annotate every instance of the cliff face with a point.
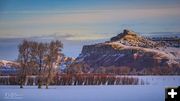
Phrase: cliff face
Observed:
(127, 49)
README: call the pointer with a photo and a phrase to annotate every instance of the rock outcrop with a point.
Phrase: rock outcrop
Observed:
(127, 49)
(131, 38)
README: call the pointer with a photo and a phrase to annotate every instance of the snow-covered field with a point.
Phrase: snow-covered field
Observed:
(154, 91)
(159, 80)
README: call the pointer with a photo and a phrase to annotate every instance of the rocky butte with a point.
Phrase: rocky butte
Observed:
(129, 49)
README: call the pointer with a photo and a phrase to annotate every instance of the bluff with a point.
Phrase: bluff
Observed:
(127, 49)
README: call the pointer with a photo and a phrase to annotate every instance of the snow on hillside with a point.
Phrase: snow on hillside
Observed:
(7, 63)
(174, 51)
(163, 54)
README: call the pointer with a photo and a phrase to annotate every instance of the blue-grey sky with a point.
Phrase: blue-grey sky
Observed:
(79, 22)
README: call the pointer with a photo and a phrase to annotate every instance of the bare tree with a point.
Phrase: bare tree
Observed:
(52, 59)
(23, 58)
(39, 59)
(38, 52)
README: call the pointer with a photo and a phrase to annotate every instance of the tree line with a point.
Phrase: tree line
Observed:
(39, 58)
(78, 79)
(95, 79)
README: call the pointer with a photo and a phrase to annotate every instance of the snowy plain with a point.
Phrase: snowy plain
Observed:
(154, 90)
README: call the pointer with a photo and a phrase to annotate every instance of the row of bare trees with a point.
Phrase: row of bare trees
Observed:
(95, 79)
(39, 58)
(77, 79)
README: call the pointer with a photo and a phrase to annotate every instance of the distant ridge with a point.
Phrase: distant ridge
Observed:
(7, 63)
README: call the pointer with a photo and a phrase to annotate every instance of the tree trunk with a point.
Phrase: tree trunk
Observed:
(47, 81)
(47, 84)
(39, 83)
(21, 85)
(21, 81)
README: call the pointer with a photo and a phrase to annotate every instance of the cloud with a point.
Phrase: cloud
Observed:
(91, 16)
(37, 23)
(81, 37)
